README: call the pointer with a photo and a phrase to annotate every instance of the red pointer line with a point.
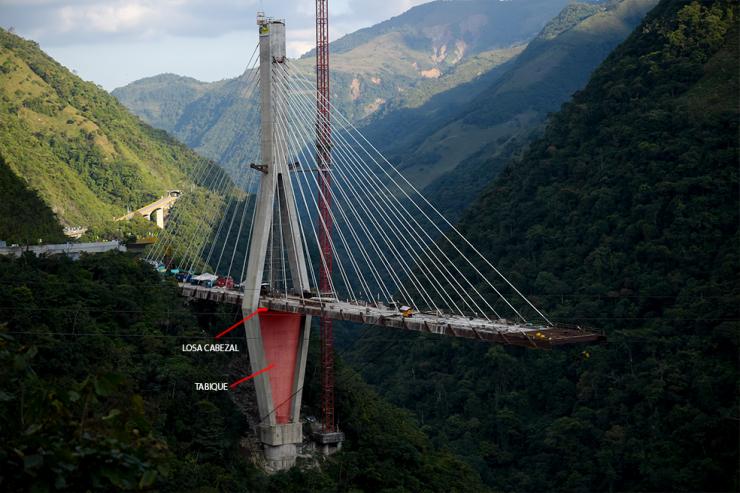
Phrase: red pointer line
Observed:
(259, 310)
(268, 367)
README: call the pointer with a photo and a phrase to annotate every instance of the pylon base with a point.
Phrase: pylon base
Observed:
(280, 443)
(328, 442)
(280, 457)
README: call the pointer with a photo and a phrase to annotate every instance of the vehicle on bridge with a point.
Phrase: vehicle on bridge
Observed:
(207, 280)
(183, 276)
(225, 282)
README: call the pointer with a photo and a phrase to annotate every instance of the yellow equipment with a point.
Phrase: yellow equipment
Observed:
(406, 311)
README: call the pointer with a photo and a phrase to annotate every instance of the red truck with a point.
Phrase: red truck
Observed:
(225, 282)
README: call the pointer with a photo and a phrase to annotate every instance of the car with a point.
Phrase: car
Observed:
(183, 276)
(225, 282)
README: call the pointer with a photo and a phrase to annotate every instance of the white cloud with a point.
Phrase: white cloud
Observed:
(74, 21)
(129, 16)
(141, 32)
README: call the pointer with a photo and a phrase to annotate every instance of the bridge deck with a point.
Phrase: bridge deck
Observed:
(163, 202)
(499, 331)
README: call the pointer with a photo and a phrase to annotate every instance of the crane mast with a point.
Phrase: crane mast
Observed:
(323, 150)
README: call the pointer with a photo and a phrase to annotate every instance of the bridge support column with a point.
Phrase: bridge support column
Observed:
(274, 338)
(159, 218)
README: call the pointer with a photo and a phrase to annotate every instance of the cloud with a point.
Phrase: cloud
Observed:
(58, 23)
(148, 33)
(106, 18)
(75, 21)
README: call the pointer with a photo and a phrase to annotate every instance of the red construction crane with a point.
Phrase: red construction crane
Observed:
(323, 150)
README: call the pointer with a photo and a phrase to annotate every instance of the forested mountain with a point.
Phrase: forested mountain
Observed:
(396, 64)
(102, 399)
(161, 100)
(24, 217)
(77, 148)
(451, 145)
(624, 217)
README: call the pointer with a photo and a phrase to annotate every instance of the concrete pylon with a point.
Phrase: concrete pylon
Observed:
(276, 338)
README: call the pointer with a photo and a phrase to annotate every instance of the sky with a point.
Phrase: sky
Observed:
(114, 42)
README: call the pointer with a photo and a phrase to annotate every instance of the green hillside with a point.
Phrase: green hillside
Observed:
(161, 100)
(452, 147)
(24, 218)
(623, 216)
(77, 147)
(396, 64)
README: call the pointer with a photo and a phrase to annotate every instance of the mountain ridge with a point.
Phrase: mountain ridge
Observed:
(462, 21)
(448, 150)
(390, 68)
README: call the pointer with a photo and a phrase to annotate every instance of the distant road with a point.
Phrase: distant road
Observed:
(73, 250)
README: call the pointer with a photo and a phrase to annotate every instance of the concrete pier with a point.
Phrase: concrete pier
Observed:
(279, 339)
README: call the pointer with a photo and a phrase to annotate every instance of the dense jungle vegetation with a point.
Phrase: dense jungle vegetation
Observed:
(96, 395)
(24, 217)
(623, 216)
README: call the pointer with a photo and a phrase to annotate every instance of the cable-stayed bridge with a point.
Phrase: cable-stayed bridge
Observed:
(317, 223)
